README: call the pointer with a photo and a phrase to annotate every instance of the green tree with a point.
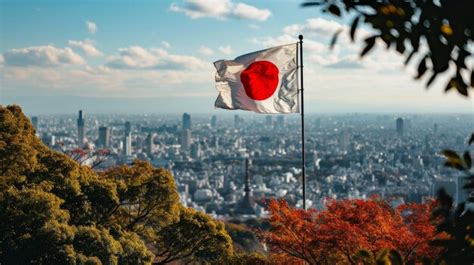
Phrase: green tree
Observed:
(446, 27)
(55, 211)
(195, 237)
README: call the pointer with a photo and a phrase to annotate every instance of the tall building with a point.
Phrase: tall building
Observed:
(196, 150)
(399, 125)
(104, 137)
(344, 141)
(80, 129)
(34, 121)
(185, 139)
(214, 121)
(237, 121)
(149, 145)
(127, 145)
(268, 121)
(280, 121)
(128, 127)
(127, 140)
(186, 121)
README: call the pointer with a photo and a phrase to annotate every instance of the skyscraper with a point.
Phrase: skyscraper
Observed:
(186, 121)
(399, 125)
(280, 121)
(128, 127)
(104, 137)
(80, 130)
(185, 139)
(268, 121)
(237, 121)
(214, 121)
(127, 141)
(149, 145)
(34, 121)
(195, 150)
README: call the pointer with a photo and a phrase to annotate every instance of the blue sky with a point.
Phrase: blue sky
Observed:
(58, 56)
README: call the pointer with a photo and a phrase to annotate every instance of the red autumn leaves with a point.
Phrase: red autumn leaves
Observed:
(336, 234)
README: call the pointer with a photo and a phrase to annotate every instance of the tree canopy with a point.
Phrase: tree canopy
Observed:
(55, 211)
(338, 234)
(439, 33)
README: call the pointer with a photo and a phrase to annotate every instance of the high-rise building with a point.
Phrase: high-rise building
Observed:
(399, 125)
(80, 129)
(128, 127)
(104, 137)
(186, 121)
(195, 150)
(344, 141)
(127, 140)
(269, 121)
(34, 121)
(127, 145)
(149, 145)
(237, 121)
(185, 139)
(280, 121)
(214, 121)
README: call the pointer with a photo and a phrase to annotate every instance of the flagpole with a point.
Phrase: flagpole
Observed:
(303, 165)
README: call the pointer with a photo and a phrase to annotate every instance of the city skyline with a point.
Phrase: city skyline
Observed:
(157, 58)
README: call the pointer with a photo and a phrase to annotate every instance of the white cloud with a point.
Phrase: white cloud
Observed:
(91, 27)
(165, 44)
(220, 9)
(206, 50)
(86, 46)
(136, 57)
(42, 56)
(245, 11)
(226, 49)
(315, 27)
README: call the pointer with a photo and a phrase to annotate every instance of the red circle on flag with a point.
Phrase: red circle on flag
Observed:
(260, 80)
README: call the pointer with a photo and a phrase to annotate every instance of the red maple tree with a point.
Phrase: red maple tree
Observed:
(336, 234)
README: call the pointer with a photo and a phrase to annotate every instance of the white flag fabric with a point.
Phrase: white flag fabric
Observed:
(263, 81)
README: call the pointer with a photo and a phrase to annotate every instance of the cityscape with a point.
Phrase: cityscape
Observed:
(236, 132)
(228, 166)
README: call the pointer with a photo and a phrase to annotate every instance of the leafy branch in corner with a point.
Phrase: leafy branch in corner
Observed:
(446, 27)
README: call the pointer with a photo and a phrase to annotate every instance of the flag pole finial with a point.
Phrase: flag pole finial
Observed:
(300, 37)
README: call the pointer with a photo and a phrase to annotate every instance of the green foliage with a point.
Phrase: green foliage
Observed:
(194, 237)
(446, 27)
(244, 237)
(55, 211)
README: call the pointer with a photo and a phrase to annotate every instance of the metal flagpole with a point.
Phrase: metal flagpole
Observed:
(303, 165)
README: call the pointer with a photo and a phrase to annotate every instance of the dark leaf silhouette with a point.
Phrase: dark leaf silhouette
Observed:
(354, 27)
(467, 159)
(369, 44)
(334, 39)
(334, 10)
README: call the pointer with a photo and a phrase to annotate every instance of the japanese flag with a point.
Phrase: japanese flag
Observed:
(263, 81)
